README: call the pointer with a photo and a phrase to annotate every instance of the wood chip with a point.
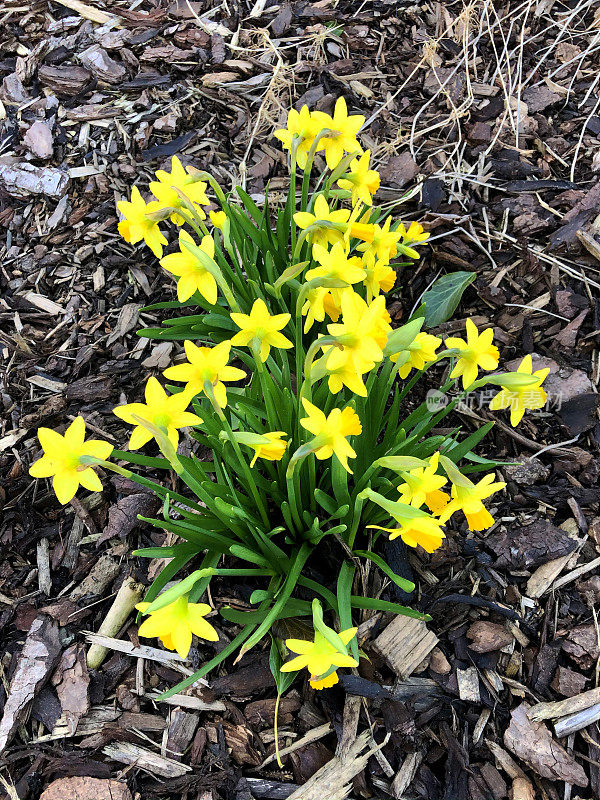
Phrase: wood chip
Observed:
(141, 758)
(405, 644)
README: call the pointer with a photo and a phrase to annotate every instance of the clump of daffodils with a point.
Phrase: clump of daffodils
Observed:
(293, 376)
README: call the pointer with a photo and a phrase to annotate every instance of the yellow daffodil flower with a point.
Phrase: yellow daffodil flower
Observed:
(423, 532)
(478, 351)
(218, 219)
(167, 412)
(361, 181)
(331, 432)
(206, 364)
(420, 352)
(137, 226)
(414, 235)
(174, 624)
(319, 657)
(528, 397)
(344, 127)
(193, 276)
(468, 499)
(343, 374)
(319, 301)
(336, 265)
(379, 240)
(263, 327)
(62, 460)
(362, 332)
(321, 213)
(165, 190)
(270, 452)
(422, 487)
(415, 527)
(380, 277)
(305, 127)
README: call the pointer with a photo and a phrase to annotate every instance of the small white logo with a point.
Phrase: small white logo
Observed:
(436, 401)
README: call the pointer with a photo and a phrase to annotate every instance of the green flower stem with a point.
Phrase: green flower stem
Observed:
(201, 175)
(272, 415)
(208, 390)
(356, 518)
(193, 223)
(292, 191)
(339, 171)
(308, 166)
(292, 477)
(318, 225)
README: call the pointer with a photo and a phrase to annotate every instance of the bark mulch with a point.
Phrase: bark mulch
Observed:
(484, 120)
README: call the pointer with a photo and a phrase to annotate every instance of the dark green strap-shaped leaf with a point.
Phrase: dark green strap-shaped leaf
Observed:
(407, 586)
(165, 552)
(384, 605)
(461, 449)
(293, 608)
(344, 598)
(283, 680)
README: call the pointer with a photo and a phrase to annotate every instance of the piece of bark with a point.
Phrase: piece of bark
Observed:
(97, 60)
(141, 758)
(125, 601)
(486, 637)
(22, 180)
(495, 781)
(568, 682)
(36, 663)
(239, 740)
(527, 546)
(561, 708)
(102, 574)
(261, 713)
(399, 171)
(404, 644)
(581, 644)
(566, 726)
(72, 684)
(522, 789)
(468, 684)
(306, 761)
(504, 760)
(182, 728)
(38, 139)
(123, 517)
(439, 663)
(68, 80)
(13, 92)
(539, 97)
(86, 788)
(532, 743)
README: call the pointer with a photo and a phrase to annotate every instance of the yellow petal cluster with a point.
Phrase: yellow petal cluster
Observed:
(62, 460)
(319, 657)
(166, 412)
(175, 623)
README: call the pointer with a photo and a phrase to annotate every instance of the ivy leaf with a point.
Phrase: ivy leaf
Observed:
(444, 296)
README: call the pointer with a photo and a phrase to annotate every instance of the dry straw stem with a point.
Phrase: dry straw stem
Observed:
(127, 597)
(505, 33)
(333, 781)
